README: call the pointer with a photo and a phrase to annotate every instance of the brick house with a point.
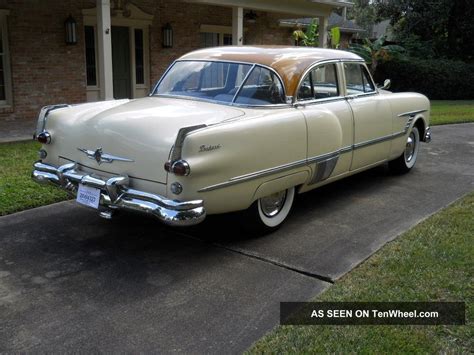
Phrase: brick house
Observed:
(119, 47)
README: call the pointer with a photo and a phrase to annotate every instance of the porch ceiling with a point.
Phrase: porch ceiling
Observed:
(295, 7)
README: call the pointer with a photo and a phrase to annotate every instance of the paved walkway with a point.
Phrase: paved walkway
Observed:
(70, 281)
(12, 131)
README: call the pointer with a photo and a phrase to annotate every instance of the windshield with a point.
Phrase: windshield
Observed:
(221, 81)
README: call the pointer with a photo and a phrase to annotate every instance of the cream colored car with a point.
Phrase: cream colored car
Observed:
(229, 129)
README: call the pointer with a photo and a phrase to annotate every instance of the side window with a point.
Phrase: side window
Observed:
(357, 79)
(368, 84)
(262, 87)
(319, 83)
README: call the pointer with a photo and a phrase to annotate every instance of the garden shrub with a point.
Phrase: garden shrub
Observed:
(438, 79)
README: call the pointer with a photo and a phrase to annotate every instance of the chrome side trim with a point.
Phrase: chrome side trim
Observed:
(302, 103)
(411, 113)
(303, 162)
(324, 169)
(43, 116)
(323, 157)
(372, 141)
(274, 170)
(346, 149)
(175, 153)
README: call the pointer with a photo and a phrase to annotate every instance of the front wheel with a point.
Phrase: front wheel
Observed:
(268, 213)
(405, 162)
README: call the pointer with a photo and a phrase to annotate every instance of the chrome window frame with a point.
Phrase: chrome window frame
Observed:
(313, 66)
(363, 94)
(253, 65)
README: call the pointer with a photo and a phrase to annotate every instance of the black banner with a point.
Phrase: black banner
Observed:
(370, 313)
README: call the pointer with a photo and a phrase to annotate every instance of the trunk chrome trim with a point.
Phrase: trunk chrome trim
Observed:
(108, 172)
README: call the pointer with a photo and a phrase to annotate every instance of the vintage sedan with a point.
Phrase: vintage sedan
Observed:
(230, 129)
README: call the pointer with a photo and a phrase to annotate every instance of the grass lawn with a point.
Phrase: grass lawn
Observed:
(431, 262)
(445, 112)
(17, 190)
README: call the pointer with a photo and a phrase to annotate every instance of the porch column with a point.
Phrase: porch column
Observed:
(237, 26)
(323, 31)
(104, 37)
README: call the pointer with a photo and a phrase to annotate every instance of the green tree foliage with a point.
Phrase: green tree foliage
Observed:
(308, 38)
(364, 14)
(335, 37)
(375, 52)
(432, 28)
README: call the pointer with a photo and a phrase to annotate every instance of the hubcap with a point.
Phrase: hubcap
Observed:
(410, 147)
(272, 205)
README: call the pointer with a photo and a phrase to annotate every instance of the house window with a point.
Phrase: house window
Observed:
(91, 64)
(209, 39)
(139, 66)
(213, 36)
(5, 78)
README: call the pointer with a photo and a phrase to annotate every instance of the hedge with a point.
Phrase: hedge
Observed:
(438, 79)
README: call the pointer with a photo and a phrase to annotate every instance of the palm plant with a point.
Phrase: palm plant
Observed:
(308, 38)
(375, 52)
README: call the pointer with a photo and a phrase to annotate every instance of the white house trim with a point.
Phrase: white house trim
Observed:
(315, 8)
(134, 18)
(7, 78)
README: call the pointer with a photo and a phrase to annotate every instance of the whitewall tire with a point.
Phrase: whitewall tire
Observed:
(407, 160)
(268, 213)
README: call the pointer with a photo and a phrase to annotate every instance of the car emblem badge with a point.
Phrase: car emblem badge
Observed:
(100, 157)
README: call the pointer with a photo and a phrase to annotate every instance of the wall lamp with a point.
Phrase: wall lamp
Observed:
(70, 26)
(167, 32)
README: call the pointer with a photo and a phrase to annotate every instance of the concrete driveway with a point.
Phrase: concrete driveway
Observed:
(72, 281)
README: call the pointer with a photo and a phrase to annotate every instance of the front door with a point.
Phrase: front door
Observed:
(121, 62)
(372, 117)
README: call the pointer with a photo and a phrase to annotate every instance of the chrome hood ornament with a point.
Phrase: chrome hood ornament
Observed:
(100, 157)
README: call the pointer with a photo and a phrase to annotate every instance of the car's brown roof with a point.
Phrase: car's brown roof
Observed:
(289, 62)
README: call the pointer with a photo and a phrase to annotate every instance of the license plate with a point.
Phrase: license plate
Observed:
(88, 196)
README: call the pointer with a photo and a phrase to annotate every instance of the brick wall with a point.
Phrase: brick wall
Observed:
(46, 71)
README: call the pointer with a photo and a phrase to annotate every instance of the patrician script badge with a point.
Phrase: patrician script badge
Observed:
(208, 148)
(100, 157)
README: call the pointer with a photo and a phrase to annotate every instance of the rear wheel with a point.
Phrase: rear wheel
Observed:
(406, 161)
(268, 213)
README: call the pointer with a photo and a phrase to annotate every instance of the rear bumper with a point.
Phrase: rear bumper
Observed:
(115, 194)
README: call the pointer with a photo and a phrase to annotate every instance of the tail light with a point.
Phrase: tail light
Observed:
(44, 137)
(179, 167)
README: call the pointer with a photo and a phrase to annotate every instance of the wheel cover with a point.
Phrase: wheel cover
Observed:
(273, 204)
(410, 147)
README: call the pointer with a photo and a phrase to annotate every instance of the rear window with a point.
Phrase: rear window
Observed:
(262, 87)
(222, 82)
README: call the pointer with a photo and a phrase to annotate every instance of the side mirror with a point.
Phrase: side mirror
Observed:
(386, 84)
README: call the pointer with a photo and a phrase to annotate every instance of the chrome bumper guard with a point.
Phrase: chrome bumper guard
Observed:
(427, 135)
(115, 194)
